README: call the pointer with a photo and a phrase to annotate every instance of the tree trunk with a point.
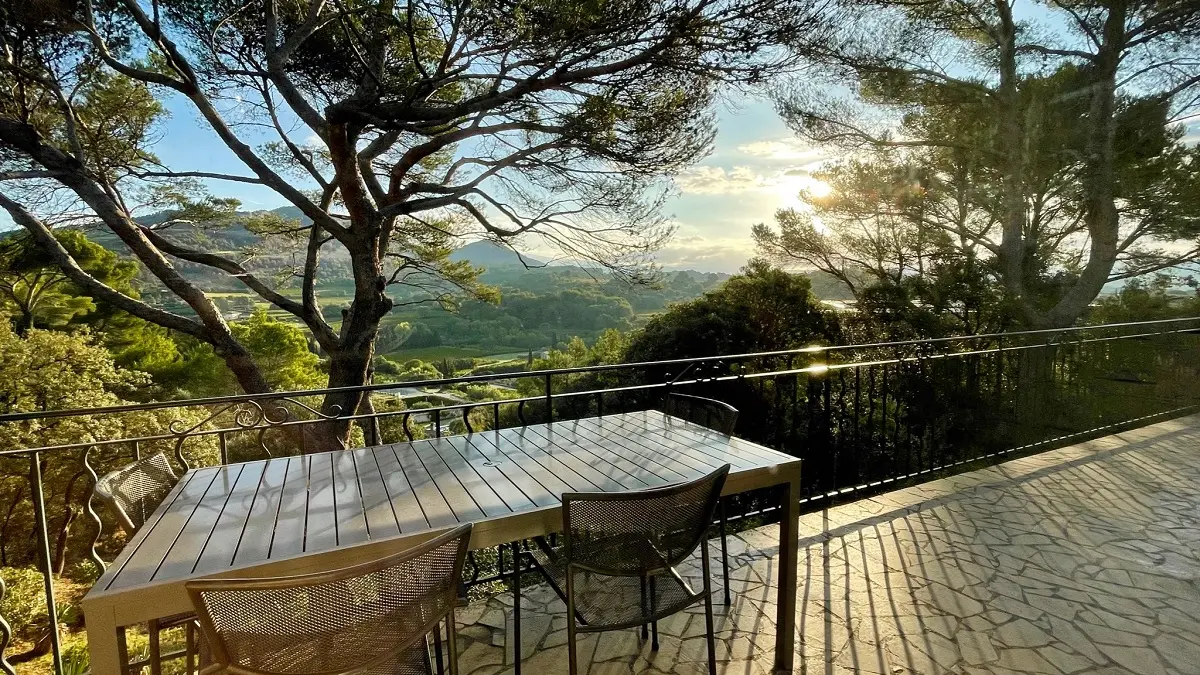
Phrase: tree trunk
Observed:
(250, 377)
(1011, 136)
(8, 516)
(60, 546)
(1099, 180)
(347, 368)
(70, 513)
(370, 425)
(350, 362)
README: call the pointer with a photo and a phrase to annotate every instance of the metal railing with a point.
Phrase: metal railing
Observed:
(864, 417)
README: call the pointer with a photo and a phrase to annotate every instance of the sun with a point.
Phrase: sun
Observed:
(790, 187)
(819, 188)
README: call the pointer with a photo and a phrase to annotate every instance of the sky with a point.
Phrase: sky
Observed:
(756, 167)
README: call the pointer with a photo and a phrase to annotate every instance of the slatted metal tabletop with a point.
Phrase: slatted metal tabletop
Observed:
(299, 514)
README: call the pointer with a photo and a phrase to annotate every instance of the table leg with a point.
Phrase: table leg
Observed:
(103, 651)
(789, 542)
(516, 608)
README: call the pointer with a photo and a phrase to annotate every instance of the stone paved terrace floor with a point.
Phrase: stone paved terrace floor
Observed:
(1079, 560)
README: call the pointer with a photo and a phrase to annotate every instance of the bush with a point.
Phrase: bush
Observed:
(24, 604)
(82, 572)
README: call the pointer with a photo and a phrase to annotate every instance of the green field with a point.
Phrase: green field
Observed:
(443, 352)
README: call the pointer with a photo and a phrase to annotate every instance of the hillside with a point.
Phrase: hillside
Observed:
(489, 255)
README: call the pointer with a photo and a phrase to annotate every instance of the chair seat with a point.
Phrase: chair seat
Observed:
(605, 602)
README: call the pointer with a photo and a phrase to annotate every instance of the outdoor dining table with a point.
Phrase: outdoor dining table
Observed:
(301, 514)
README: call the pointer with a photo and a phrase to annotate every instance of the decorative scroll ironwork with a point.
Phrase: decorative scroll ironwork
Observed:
(90, 509)
(250, 415)
(5, 635)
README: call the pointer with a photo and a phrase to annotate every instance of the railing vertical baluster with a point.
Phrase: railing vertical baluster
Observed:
(137, 450)
(857, 437)
(999, 408)
(404, 419)
(777, 408)
(39, 508)
(179, 454)
(871, 414)
(549, 398)
(224, 443)
(437, 422)
(841, 419)
(496, 415)
(809, 412)
(793, 427)
(826, 391)
(466, 413)
(883, 419)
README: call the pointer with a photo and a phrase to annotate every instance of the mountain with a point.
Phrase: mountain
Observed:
(489, 254)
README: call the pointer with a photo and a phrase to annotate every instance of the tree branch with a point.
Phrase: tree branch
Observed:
(46, 239)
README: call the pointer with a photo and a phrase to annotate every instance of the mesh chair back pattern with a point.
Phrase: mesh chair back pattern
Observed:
(707, 412)
(135, 490)
(643, 532)
(368, 619)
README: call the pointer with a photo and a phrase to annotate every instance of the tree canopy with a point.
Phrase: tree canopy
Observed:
(763, 308)
(1043, 158)
(391, 128)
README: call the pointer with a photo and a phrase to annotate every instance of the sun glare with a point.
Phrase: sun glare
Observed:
(790, 187)
(819, 188)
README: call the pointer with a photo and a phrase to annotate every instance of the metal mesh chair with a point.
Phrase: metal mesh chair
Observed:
(132, 492)
(707, 412)
(135, 490)
(722, 418)
(369, 619)
(616, 566)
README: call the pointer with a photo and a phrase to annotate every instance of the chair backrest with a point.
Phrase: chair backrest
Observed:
(640, 532)
(369, 618)
(135, 490)
(707, 412)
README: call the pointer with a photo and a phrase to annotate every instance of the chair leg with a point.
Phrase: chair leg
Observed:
(724, 552)
(122, 650)
(437, 650)
(517, 609)
(645, 629)
(572, 658)
(155, 647)
(708, 614)
(451, 643)
(189, 649)
(653, 613)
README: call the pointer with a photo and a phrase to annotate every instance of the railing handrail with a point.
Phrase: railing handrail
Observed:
(467, 379)
(813, 369)
(860, 437)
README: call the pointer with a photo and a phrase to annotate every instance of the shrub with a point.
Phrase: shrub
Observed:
(24, 604)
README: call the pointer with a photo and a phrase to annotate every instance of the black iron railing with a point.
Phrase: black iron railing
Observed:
(864, 417)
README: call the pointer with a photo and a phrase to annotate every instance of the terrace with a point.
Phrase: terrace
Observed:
(996, 504)
(1080, 559)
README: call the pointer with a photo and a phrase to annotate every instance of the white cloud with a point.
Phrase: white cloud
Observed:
(710, 258)
(696, 250)
(790, 150)
(715, 180)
